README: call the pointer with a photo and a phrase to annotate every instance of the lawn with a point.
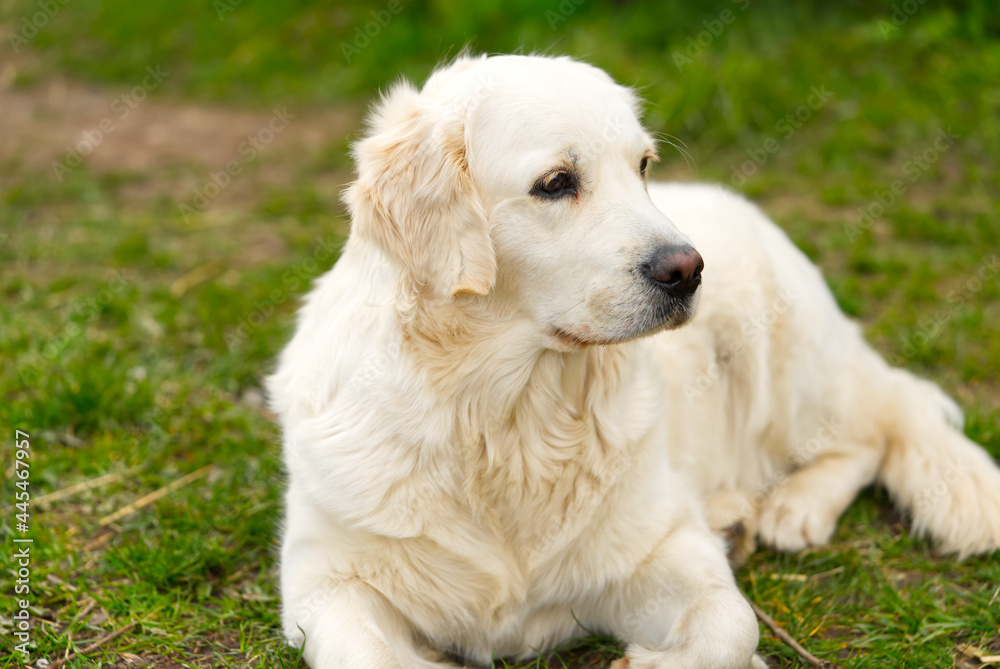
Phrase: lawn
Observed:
(155, 240)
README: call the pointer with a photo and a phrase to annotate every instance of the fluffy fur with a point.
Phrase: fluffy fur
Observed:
(492, 438)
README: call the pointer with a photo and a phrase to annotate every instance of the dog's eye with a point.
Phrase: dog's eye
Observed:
(642, 166)
(555, 184)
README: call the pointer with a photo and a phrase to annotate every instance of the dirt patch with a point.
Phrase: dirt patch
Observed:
(172, 147)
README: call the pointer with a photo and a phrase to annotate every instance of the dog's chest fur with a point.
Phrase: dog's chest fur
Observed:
(538, 473)
(522, 490)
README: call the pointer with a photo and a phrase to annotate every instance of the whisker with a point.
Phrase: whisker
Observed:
(673, 137)
(678, 144)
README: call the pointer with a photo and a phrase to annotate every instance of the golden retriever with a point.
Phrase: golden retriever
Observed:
(494, 434)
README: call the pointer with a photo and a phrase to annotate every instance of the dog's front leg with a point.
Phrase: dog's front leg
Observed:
(346, 624)
(682, 608)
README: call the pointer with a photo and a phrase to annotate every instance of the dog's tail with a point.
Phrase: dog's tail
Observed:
(949, 484)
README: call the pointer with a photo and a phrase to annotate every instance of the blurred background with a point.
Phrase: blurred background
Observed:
(169, 187)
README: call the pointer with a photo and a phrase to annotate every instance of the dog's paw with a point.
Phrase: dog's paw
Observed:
(791, 519)
(756, 662)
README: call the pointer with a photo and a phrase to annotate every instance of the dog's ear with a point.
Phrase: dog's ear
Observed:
(414, 197)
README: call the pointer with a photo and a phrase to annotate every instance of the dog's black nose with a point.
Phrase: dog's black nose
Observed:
(677, 269)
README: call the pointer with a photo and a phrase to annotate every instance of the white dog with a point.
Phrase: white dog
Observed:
(492, 440)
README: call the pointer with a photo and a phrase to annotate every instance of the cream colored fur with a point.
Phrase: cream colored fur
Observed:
(490, 436)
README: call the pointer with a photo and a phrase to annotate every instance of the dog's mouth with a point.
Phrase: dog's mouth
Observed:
(670, 313)
(659, 315)
(582, 338)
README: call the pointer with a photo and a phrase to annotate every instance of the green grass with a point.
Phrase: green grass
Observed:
(147, 369)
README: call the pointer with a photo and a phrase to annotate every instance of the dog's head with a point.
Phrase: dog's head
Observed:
(520, 181)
